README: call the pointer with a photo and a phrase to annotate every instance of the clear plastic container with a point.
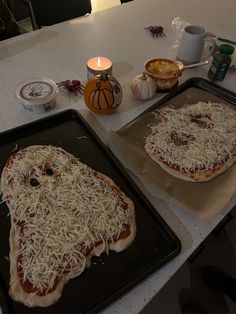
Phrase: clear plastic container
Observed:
(37, 95)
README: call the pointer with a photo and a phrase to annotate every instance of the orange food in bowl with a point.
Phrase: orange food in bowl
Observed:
(163, 68)
(164, 71)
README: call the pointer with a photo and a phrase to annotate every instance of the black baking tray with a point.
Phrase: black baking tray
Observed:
(109, 275)
(134, 135)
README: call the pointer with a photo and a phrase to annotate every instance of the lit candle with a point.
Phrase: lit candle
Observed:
(98, 65)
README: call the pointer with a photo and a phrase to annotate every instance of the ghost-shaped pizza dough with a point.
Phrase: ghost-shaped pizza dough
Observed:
(62, 213)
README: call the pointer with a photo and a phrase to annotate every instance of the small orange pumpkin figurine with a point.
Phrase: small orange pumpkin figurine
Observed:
(103, 94)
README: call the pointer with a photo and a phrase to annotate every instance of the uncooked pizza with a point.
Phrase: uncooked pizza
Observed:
(196, 142)
(62, 213)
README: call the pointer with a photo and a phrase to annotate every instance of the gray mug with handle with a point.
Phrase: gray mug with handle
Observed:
(193, 43)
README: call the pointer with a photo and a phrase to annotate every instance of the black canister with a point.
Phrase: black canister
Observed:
(220, 63)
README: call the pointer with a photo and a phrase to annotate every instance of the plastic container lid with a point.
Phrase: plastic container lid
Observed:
(226, 50)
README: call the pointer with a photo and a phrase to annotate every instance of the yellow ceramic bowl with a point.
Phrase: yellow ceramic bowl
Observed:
(164, 71)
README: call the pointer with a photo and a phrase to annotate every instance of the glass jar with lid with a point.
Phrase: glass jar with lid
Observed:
(220, 63)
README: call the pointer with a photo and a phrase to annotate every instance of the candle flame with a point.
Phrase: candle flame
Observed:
(99, 61)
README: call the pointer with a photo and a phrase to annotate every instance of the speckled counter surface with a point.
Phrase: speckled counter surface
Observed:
(61, 52)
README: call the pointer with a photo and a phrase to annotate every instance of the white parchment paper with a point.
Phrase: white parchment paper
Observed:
(203, 200)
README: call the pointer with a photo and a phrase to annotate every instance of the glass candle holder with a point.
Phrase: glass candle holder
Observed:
(98, 65)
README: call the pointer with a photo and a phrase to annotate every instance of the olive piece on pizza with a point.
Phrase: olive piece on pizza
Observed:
(49, 172)
(34, 182)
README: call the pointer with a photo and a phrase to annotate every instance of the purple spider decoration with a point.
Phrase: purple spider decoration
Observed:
(73, 86)
(156, 30)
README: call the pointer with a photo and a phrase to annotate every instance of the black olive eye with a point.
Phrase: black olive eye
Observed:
(34, 182)
(49, 172)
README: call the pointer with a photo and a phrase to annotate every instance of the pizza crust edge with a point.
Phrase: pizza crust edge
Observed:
(199, 176)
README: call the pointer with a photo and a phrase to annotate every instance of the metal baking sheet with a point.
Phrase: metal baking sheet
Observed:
(109, 275)
(176, 192)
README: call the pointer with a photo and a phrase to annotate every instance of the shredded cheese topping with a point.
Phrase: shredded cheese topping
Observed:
(61, 209)
(193, 138)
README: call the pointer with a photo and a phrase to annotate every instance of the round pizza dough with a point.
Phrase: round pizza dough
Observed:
(196, 142)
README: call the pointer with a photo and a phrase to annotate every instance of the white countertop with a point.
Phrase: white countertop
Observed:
(61, 52)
